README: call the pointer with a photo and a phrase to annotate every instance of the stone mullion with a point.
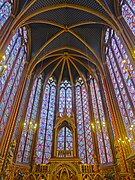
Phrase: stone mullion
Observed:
(27, 133)
(54, 147)
(125, 87)
(83, 123)
(7, 130)
(75, 121)
(100, 120)
(12, 69)
(123, 81)
(126, 35)
(120, 95)
(123, 127)
(118, 63)
(35, 136)
(46, 123)
(3, 33)
(107, 118)
(10, 92)
(54, 122)
(115, 113)
(20, 129)
(65, 138)
(6, 106)
(94, 135)
(114, 102)
(12, 118)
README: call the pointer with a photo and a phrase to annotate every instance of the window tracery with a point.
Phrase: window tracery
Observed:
(5, 11)
(14, 58)
(123, 80)
(100, 123)
(46, 125)
(128, 13)
(65, 139)
(65, 99)
(30, 123)
(85, 142)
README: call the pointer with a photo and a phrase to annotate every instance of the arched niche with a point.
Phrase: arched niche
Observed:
(64, 124)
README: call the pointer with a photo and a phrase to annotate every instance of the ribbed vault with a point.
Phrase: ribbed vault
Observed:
(67, 36)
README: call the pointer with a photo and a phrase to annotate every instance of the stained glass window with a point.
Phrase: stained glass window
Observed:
(15, 58)
(45, 132)
(128, 13)
(21, 110)
(30, 123)
(65, 139)
(100, 123)
(65, 99)
(109, 113)
(123, 79)
(85, 143)
(5, 11)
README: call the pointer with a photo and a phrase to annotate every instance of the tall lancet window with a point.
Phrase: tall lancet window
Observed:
(30, 123)
(65, 139)
(85, 143)
(65, 99)
(46, 124)
(100, 123)
(5, 11)
(128, 13)
(14, 59)
(123, 79)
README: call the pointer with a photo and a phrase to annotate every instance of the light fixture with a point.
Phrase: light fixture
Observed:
(133, 54)
(124, 61)
(2, 66)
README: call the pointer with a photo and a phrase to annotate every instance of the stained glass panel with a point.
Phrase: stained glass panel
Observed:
(61, 139)
(65, 99)
(123, 79)
(128, 13)
(30, 123)
(5, 11)
(85, 143)
(65, 139)
(15, 58)
(45, 133)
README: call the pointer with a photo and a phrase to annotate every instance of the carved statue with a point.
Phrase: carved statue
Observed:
(10, 155)
(95, 167)
(117, 156)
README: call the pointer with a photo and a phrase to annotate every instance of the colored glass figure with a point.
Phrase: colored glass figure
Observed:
(85, 144)
(15, 58)
(65, 99)
(45, 132)
(65, 139)
(100, 123)
(110, 118)
(5, 11)
(61, 139)
(21, 110)
(30, 123)
(123, 79)
(128, 13)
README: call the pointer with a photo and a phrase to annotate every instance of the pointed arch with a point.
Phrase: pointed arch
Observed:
(15, 58)
(5, 11)
(85, 145)
(65, 98)
(122, 75)
(128, 13)
(46, 124)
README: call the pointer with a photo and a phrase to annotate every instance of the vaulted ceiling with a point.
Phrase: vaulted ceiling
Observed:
(67, 36)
